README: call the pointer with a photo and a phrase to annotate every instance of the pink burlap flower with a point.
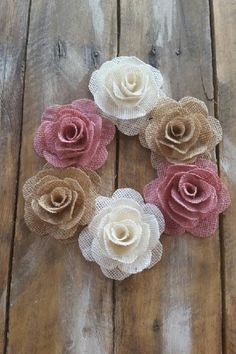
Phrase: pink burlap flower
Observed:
(189, 196)
(74, 135)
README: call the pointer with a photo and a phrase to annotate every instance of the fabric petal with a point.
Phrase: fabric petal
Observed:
(108, 131)
(129, 194)
(206, 227)
(98, 159)
(123, 236)
(137, 266)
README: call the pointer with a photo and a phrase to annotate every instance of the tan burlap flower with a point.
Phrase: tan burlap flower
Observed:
(180, 131)
(58, 202)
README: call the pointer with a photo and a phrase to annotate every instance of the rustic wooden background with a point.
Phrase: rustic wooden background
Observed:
(51, 300)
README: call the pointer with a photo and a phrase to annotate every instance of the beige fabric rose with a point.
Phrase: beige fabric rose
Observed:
(124, 234)
(180, 131)
(126, 89)
(58, 202)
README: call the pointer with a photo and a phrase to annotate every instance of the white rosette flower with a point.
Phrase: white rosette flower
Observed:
(124, 235)
(126, 89)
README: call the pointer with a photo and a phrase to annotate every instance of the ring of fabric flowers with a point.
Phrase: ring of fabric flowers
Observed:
(122, 233)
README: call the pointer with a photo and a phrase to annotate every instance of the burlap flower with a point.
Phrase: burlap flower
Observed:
(180, 131)
(126, 90)
(74, 135)
(123, 237)
(58, 202)
(191, 197)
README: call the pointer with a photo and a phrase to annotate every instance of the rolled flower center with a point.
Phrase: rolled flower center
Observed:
(190, 189)
(70, 132)
(58, 196)
(123, 233)
(134, 83)
(177, 129)
(129, 85)
(58, 199)
(131, 80)
(72, 129)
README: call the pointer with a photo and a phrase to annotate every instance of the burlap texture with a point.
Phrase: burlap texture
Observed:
(180, 132)
(74, 135)
(124, 235)
(190, 196)
(58, 202)
(126, 90)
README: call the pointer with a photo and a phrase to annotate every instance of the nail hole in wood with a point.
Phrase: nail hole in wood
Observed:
(156, 326)
(95, 58)
(153, 57)
(60, 49)
(178, 52)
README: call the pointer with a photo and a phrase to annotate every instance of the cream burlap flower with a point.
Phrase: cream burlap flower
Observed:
(58, 202)
(126, 90)
(123, 237)
(180, 131)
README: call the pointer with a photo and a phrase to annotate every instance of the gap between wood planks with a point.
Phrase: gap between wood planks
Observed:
(11, 254)
(118, 14)
(221, 231)
(222, 260)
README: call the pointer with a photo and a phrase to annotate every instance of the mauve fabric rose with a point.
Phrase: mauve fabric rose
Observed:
(190, 197)
(74, 135)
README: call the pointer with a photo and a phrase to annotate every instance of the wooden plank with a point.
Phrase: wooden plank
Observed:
(225, 46)
(59, 302)
(176, 306)
(13, 31)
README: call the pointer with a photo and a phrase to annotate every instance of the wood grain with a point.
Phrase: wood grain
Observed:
(175, 308)
(13, 30)
(225, 46)
(59, 302)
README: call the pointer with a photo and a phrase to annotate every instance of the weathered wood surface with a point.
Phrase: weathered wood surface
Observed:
(167, 309)
(225, 34)
(13, 34)
(57, 303)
